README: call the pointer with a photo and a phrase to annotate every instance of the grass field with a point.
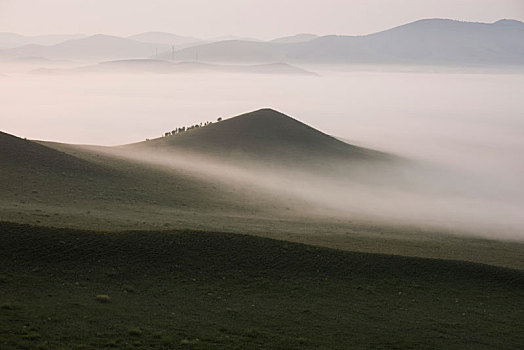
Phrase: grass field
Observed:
(217, 260)
(62, 185)
(71, 289)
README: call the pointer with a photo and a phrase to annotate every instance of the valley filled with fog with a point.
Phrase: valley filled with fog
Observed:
(420, 113)
(465, 126)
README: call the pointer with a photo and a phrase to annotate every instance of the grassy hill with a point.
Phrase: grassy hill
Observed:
(185, 282)
(71, 289)
(264, 136)
(94, 187)
(17, 152)
(43, 183)
(58, 184)
(31, 172)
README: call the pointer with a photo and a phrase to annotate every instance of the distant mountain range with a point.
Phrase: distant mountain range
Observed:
(166, 39)
(431, 41)
(428, 41)
(11, 40)
(93, 47)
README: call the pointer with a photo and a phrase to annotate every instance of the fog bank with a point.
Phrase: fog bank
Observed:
(467, 127)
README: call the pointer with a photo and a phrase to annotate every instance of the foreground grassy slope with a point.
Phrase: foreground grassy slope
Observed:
(186, 289)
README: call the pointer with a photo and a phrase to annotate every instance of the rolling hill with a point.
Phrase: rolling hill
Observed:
(95, 47)
(222, 186)
(27, 156)
(167, 67)
(66, 173)
(429, 41)
(187, 281)
(298, 38)
(33, 173)
(232, 51)
(43, 182)
(82, 186)
(11, 40)
(264, 136)
(165, 39)
(426, 42)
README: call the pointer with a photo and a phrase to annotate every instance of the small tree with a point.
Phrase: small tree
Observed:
(219, 119)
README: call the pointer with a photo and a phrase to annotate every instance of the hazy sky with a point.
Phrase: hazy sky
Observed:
(264, 19)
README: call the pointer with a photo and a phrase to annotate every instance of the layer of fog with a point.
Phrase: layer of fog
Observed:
(467, 124)
(416, 195)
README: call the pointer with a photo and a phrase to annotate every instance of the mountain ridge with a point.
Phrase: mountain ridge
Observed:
(427, 41)
(434, 41)
(95, 46)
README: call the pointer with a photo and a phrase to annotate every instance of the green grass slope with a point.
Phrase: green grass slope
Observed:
(31, 156)
(69, 186)
(264, 135)
(57, 184)
(69, 289)
(31, 173)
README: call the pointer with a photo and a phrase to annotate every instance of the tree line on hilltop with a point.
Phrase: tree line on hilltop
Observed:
(186, 128)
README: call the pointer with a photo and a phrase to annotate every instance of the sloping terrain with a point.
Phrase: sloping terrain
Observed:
(66, 185)
(99, 180)
(63, 288)
(32, 172)
(263, 136)
(144, 186)
(28, 155)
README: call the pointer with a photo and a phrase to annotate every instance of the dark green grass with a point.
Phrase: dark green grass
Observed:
(189, 289)
(265, 136)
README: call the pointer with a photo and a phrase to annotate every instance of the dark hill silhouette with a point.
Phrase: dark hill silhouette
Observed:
(67, 182)
(60, 184)
(264, 135)
(25, 154)
(40, 175)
